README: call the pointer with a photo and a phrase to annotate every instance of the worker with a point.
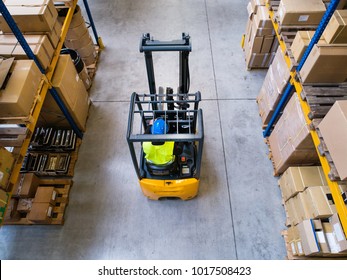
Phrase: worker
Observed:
(160, 153)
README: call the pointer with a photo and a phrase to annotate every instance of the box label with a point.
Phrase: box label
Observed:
(320, 236)
(303, 18)
(338, 232)
(300, 248)
(1, 176)
(54, 195)
(293, 248)
(49, 212)
(334, 246)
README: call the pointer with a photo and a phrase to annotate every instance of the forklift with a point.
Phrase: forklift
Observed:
(183, 119)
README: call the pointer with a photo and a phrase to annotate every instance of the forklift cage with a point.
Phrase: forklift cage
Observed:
(187, 124)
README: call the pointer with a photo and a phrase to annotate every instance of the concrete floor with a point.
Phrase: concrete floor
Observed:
(238, 212)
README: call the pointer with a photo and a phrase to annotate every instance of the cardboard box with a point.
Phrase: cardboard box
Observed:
(317, 203)
(274, 84)
(34, 15)
(301, 41)
(256, 3)
(290, 141)
(11, 211)
(334, 132)
(267, 43)
(24, 205)
(40, 213)
(71, 89)
(298, 12)
(325, 64)
(16, 99)
(297, 179)
(3, 198)
(301, 207)
(45, 194)
(339, 236)
(262, 18)
(260, 31)
(26, 185)
(6, 164)
(336, 31)
(308, 238)
(256, 60)
(39, 44)
(292, 213)
(80, 42)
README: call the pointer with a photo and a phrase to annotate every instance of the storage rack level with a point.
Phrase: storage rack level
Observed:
(295, 84)
(45, 87)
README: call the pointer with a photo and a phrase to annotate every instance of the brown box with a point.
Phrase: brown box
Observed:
(334, 132)
(11, 211)
(325, 64)
(301, 42)
(6, 164)
(40, 212)
(24, 205)
(339, 236)
(3, 198)
(39, 44)
(80, 42)
(317, 203)
(262, 18)
(274, 83)
(45, 194)
(17, 98)
(292, 213)
(290, 141)
(256, 3)
(26, 185)
(34, 15)
(259, 31)
(267, 44)
(72, 90)
(297, 179)
(298, 12)
(336, 30)
(261, 60)
(308, 238)
(301, 207)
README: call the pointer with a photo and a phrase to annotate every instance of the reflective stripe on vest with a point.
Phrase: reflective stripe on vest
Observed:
(159, 154)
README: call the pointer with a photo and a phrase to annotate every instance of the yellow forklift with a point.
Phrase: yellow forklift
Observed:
(181, 122)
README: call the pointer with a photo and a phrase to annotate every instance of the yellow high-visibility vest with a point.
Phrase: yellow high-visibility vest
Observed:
(159, 154)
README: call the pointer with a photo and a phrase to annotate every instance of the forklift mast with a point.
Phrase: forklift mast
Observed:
(183, 46)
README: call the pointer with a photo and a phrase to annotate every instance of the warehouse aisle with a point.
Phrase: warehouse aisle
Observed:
(238, 213)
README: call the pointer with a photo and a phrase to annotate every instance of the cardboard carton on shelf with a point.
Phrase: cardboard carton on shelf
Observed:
(45, 194)
(298, 12)
(26, 185)
(35, 15)
(39, 44)
(40, 213)
(334, 132)
(297, 179)
(291, 142)
(336, 30)
(301, 41)
(19, 90)
(6, 164)
(24, 205)
(317, 203)
(325, 64)
(72, 91)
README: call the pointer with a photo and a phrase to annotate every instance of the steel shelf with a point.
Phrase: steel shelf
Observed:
(45, 87)
(334, 188)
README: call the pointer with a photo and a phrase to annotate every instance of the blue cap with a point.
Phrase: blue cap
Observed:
(159, 126)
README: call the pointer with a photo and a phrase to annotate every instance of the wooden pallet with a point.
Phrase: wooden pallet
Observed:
(13, 136)
(321, 99)
(93, 67)
(62, 187)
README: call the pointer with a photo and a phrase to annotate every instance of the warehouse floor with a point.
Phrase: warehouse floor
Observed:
(238, 212)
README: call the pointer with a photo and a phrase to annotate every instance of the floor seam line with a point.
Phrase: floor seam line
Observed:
(220, 124)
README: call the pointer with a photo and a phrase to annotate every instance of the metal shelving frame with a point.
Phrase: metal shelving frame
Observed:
(44, 87)
(295, 84)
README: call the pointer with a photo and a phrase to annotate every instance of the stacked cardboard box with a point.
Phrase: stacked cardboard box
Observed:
(290, 142)
(274, 84)
(6, 163)
(300, 13)
(42, 206)
(20, 85)
(78, 38)
(318, 238)
(72, 91)
(260, 44)
(39, 44)
(26, 186)
(334, 132)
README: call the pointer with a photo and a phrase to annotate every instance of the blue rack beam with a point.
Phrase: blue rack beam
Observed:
(91, 21)
(321, 27)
